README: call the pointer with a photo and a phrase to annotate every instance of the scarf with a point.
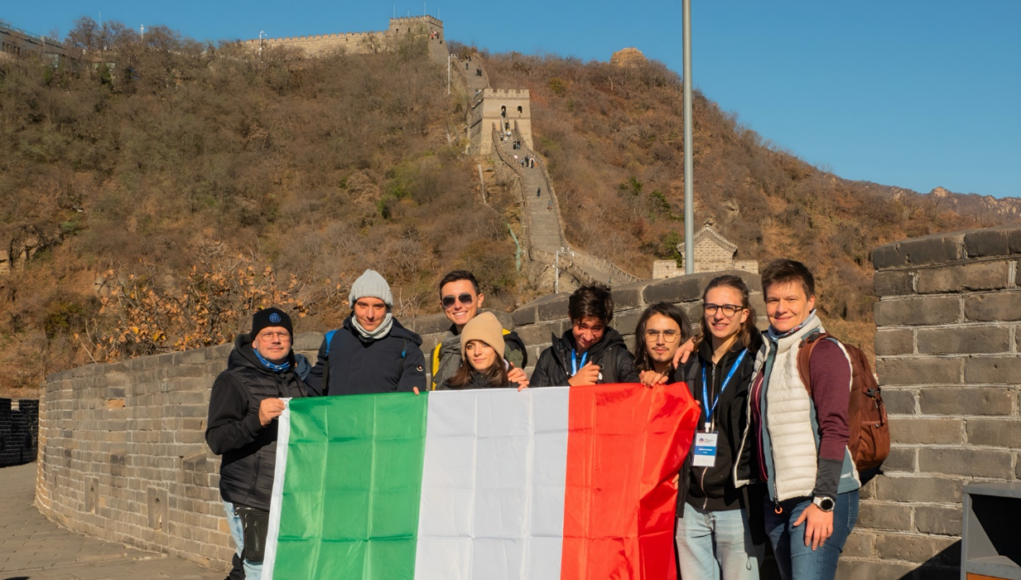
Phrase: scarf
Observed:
(774, 336)
(277, 368)
(382, 330)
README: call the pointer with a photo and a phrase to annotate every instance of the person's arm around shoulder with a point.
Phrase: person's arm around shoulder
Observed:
(314, 381)
(517, 353)
(231, 424)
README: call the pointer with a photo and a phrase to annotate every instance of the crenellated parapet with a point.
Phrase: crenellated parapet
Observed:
(363, 42)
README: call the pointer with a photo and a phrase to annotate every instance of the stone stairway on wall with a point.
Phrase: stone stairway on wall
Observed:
(544, 229)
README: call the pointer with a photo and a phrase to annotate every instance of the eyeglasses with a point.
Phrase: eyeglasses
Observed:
(281, 336)
(465, 298)
(668, 335)
(729, 310)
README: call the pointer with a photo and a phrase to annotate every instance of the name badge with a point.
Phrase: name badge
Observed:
(705, 449)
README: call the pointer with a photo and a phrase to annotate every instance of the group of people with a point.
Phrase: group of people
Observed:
(769, 459)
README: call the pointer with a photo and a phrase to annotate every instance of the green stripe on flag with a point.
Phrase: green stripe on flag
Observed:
(351, 488)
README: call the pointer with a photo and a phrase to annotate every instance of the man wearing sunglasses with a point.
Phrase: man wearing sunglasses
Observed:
(461, 300)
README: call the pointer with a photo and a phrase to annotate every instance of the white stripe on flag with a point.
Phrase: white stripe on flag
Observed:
(272, 535)
(492, 504)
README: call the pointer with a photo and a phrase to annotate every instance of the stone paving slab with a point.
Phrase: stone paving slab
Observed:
(34, 548)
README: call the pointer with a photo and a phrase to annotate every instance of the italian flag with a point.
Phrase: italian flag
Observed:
(488, 484)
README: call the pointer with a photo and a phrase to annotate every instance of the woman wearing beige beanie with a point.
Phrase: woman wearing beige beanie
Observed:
(482, 349)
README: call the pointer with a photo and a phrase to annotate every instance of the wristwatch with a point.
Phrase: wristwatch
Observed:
(824, 503)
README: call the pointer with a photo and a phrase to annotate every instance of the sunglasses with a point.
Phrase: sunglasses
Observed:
(465, 299)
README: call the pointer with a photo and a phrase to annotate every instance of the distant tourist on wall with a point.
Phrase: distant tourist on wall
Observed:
(802, 433)
(461, 299)
(483, 350)
(241, 427)
(538, 191)
(590, 352)
(371, 352)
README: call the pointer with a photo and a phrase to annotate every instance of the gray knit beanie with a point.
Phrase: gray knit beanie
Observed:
(371, 284)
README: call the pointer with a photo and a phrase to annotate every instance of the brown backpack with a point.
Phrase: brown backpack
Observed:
(869, 441)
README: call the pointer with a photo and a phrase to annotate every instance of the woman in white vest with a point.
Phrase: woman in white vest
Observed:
(801, 439)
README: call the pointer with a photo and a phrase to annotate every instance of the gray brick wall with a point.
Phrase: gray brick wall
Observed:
(19, 427)
(947, 356)
(123, 453)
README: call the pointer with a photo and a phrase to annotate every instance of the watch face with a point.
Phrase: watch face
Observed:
(825, 504)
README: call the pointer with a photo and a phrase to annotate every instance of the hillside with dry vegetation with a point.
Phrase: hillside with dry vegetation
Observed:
(155, 191)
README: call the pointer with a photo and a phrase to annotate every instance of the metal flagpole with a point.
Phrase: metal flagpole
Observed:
(689, 203)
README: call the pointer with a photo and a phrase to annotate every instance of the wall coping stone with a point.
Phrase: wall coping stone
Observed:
(937, 249)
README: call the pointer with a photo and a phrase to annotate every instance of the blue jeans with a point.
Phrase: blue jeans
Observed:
(711, 543)
(253, 570)
(796, 560)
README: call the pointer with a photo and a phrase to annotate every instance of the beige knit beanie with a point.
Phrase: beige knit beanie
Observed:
(484, 327)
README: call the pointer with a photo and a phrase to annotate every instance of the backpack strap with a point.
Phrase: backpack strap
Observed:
(436, 363)
(326, 367)
(808, 344)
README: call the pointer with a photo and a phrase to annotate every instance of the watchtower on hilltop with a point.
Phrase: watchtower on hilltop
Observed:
(503, 110)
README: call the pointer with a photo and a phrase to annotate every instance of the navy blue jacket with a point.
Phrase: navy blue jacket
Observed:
(361, 366)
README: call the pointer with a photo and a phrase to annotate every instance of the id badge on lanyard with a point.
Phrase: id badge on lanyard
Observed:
(705, 441)
(705, 449)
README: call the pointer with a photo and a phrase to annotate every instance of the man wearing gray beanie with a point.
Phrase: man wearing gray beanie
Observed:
(371, 352)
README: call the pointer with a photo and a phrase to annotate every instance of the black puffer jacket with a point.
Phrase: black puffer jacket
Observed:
(554, 366)
(234, 430)
(360, 366)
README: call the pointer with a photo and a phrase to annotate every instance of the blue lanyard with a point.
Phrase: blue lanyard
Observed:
(705, 394)
(574, 361)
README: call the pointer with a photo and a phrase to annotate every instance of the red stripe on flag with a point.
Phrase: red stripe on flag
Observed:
(625, 445)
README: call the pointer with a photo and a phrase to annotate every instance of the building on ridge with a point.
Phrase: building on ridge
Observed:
(713, 253)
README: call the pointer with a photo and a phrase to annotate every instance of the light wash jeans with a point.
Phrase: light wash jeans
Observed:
(711, 543)
(794, 559)
(253, 570)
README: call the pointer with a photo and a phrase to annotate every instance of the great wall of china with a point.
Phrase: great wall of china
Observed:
(122, 454)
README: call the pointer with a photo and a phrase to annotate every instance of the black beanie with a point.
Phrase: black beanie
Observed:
(270, 317)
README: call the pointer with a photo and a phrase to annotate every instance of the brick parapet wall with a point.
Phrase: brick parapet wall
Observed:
(947, 336)
(19, 428)
(122, 446)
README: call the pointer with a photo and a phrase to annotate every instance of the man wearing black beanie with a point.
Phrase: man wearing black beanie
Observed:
(243, 407)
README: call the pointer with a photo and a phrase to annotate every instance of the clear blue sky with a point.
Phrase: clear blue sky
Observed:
(912, 93)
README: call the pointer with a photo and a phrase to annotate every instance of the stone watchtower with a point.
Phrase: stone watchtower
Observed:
(503, 110)
(713, 253)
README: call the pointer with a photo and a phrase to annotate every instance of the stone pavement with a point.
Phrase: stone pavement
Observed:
(34, 548)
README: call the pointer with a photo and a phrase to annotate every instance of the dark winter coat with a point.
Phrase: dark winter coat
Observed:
(234, 430)
(361, 366)
(713, 488)
(554, 366)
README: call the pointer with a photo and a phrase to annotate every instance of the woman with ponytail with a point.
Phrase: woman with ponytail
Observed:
(719, 534)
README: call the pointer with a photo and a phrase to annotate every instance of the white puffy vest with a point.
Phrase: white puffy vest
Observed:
(789, 420)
